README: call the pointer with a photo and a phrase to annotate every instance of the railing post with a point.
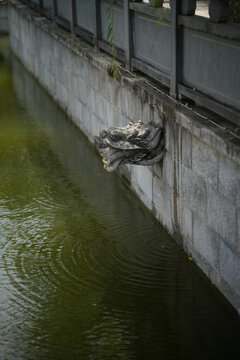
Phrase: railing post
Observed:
(128, 35)
(97, 22)
(54, 10)
(73, 16)
(39, 6)
(176, 48)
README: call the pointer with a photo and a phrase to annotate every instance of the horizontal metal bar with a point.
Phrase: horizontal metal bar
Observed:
(120, 54)
(63, 22)
(47, 13)
(86, 35)
(210, 104)
(225, 30)
(164, 79)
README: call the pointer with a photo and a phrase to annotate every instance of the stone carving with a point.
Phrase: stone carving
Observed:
(138, 144)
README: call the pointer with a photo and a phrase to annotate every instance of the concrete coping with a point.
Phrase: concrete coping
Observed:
(212, 129)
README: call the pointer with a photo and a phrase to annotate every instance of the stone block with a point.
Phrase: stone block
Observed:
(115, 94)
(60, 53)
(101, 108)
(131, 105)
(165, 170)
(70, 60)
(119, 120)
(229, 179)
(222, 217)
(146, 113)
(194, 191)
(75, 83)
(142, 183)
(62, 73)
(238, 237)
(83, 89)
(168, 170)
(185, 220)
(71, 105)
(166, 222)
(186, 148)
(156, 115)
(96, 124)
(204, 161)
(45, 78)
(91, 100)
(49, 61)
(93, 78)
(170, 135)
(230, 267)
(77, 66)
(86, 120)
(64, 95)
(104, 85)
(206, 242)
(110, 115)
(162, 198)
(79, 110)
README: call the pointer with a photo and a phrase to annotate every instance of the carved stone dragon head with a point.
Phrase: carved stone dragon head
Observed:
(138, 144)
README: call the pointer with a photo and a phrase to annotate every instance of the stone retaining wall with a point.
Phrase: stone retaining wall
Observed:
(195, 193)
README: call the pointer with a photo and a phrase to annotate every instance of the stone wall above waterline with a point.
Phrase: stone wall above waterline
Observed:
(195, 192)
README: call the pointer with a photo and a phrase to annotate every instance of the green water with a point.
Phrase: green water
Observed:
(85, 270)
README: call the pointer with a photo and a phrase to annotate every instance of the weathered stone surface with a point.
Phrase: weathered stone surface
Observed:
(206, 242)
(115, 94)
(170, 138)
(141, 180)
(238, 225)
(222, 217)
(185, 219)
(79, 110)
(229, 179)
(187, 148)
(194, 191)
(131, 105)
(165, 170)
(163, 203)
(101, 106)
(118, 118)
(162, 197)
(204, 161)
(168, 170)
(230, 267)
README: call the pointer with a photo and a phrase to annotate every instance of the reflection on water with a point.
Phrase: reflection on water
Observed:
(85, 271)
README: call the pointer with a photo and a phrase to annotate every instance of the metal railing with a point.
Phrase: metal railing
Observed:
(194, 57)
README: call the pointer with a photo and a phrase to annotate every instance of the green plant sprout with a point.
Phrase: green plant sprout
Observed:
(113, 68)
(156, 5)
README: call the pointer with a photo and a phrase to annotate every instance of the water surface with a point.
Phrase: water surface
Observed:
(85, 270)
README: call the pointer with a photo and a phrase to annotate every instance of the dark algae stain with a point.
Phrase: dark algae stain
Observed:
(85, 271)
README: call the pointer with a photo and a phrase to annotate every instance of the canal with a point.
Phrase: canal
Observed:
(85, 271)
